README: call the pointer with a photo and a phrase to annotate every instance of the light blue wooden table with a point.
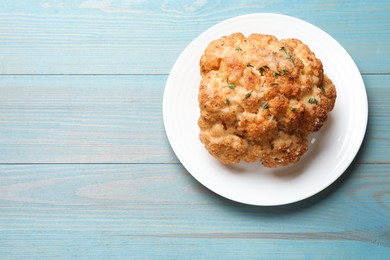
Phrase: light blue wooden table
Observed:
(85, 166)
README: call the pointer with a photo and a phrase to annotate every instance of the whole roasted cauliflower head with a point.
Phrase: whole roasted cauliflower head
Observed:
(260, 98)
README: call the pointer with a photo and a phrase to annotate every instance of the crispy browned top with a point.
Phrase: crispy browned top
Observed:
(260, 98)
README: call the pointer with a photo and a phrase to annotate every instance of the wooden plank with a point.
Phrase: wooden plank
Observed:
(146, 37)
(82, 119)
(118, 119)
(376, 144)
(145, 210)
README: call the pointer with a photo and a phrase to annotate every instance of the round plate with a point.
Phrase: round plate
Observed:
(331, 150)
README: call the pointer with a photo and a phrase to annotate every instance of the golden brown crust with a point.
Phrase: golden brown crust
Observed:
(260, 98)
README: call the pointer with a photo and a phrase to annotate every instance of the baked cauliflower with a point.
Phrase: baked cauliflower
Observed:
(260, 98)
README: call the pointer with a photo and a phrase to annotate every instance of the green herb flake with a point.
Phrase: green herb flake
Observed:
(293, 109)
(323, 89)
(231, 86)
(238, 49)
(288, 55)
(227, 101)
(284, 50)
(248, 95)
(285, 71)
(266, 106)
(276, 73)
(249, 65)
(313, 100)
(262, 68)
(291, 58)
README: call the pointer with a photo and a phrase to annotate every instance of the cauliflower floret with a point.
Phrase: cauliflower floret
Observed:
(260, 98)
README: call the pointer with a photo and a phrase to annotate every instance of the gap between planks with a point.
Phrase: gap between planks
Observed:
(76, 163)
(142, 74)
(90, 74)
(145, 163)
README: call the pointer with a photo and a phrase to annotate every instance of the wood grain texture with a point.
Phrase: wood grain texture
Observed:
(118, 119)
(160, 210)
(82, 119)
(86, 170)
(138, 37)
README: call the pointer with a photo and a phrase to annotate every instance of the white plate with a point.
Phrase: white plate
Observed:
(331, 150)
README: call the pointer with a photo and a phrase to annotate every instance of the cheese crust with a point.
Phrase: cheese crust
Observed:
(260, 98)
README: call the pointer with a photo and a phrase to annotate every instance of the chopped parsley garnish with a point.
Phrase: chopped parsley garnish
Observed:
(313, 100)
(262, 68)
(249, 65)
(280, 73)
(266, 106)
(227, 101)
(291, 58)
(238, 49)
(323, 89)
(248, 95)
(276, 73)
(294, 109)
(288, 55)
(231, 86)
